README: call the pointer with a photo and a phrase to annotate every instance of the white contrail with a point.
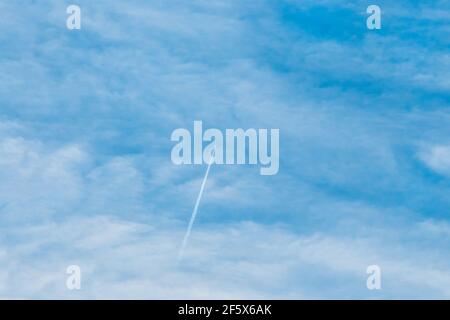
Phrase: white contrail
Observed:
(194, 213)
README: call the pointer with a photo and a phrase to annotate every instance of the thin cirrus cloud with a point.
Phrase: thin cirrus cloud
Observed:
(86, 176)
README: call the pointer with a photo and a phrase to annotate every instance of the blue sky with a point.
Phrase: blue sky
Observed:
(85, 170)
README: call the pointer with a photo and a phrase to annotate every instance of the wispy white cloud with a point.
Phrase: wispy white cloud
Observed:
(84, 151)
(122, 259)
(437, 158)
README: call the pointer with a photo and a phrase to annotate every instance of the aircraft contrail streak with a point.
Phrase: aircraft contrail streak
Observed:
(194, 212)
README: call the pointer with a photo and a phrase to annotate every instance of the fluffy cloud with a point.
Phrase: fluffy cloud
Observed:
(438, 158)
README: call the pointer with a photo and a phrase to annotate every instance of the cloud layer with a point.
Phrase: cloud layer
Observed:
(85, 170)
